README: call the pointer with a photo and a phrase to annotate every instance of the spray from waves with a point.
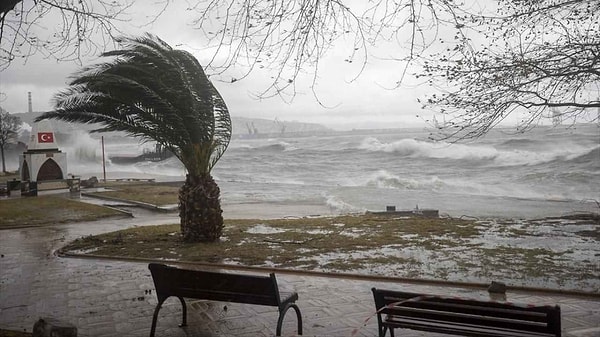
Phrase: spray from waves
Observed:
(81, 148)
(417, 148)
(540, 157)
(409, 147)
(339, 206)
(279, 147)
(384, 179)
(168, 167)
(591, 157)
(271, 146)
(256, 179)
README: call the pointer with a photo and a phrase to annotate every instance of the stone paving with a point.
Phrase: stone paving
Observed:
(116, 298)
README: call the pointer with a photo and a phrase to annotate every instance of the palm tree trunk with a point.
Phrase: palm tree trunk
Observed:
(200, 209)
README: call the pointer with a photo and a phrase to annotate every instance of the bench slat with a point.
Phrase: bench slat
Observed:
(462, 329)
(460, 319)
(461, 316)
(533, 316)
(483, 319)
(426, 298)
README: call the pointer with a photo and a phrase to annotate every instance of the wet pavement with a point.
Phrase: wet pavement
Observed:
(116, 298)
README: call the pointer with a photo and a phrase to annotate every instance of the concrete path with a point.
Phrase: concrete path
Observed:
(116, 298)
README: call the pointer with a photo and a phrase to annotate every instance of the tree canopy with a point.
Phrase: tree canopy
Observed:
(485, 60)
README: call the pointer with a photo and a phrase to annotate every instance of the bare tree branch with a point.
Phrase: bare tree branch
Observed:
(538, 56)
(484, 64)
(85, 27)
(290, 38)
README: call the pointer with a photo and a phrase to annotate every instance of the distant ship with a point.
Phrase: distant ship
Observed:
(160, 153)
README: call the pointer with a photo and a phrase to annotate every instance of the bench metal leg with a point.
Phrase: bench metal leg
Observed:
(157, 309)
(383, 331)
(155, 318)
(282, 315)
(184, 321)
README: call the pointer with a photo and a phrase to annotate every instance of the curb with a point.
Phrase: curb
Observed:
(140, 204)
(350, 276)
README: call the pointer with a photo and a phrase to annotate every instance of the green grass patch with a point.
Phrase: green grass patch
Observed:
(47, 210)
(408, 247)
(151, 193)
(8, 176)
(12, 333)
(284, 242)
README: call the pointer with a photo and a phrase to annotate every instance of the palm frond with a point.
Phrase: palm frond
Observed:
(152, 91)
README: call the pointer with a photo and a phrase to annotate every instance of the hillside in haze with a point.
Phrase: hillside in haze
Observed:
(257, 126)
(242, 126)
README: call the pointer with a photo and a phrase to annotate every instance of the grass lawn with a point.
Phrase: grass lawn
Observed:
(52, 209)
(285, 242)
(443, 249)
(7, 176)
(10, 333)
(151, 193)
(160, 194)
(48, 210)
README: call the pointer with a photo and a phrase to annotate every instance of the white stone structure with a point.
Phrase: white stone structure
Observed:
(43, 160)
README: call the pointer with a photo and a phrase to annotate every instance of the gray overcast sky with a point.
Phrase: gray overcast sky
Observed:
(364, 102)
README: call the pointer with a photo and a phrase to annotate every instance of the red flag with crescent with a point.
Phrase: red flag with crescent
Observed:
(45, 137)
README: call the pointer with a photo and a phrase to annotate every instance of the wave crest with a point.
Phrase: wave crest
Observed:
(485, 154)
(418, 148)
(384, 179)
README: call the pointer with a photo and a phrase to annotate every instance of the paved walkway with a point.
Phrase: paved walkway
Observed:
(116, 298)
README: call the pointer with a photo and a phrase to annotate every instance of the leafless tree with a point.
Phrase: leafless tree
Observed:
(513, 56)
(9, 126)
(63, 30)
(538, 59)
(290, 38)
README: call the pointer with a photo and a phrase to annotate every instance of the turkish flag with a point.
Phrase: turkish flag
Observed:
(45, 137)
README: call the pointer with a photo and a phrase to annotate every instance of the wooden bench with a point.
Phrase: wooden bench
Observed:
(215, 286)
(465, 317)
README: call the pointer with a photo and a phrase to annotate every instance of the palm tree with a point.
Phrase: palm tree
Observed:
(155, 92)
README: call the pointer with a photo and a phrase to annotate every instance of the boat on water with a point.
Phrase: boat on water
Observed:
(158, 154)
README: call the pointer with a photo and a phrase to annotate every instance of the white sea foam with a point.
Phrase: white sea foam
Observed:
(318, 231)
(82, 148)
(471, 152)
(418, 148)
(264, 229)
(337, 205)
(384, 179)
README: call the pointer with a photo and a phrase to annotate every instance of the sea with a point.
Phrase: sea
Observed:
(545, 172)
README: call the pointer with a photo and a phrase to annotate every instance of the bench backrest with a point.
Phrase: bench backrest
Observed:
(171, 281)
(503, 315)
